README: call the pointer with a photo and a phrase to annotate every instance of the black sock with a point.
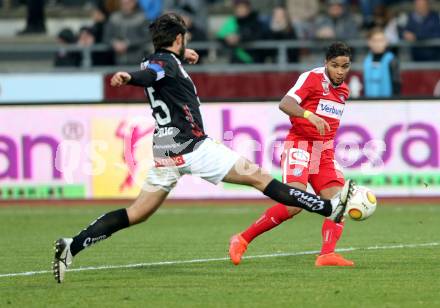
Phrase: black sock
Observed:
(290, 196)
(100, 229)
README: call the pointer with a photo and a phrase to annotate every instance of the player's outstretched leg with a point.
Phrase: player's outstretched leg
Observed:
(103, 227)
(246, 173)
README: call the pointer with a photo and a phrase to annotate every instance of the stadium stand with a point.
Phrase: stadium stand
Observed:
(88, 21)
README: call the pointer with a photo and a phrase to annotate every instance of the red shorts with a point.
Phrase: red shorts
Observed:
(311, 162)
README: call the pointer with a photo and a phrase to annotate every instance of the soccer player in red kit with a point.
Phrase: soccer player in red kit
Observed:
(315, 105)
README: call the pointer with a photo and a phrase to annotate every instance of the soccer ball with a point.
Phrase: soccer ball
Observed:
(362, 205)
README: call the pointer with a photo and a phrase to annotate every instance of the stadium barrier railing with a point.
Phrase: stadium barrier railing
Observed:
(29, 51)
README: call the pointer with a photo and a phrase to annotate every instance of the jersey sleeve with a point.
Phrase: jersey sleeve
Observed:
(144, 78)
(302, 88)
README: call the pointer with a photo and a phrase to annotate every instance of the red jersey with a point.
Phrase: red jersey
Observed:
(315, 92)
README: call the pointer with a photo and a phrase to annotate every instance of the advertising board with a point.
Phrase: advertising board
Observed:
(104, 151)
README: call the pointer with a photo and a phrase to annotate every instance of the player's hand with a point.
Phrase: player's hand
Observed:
(320, 124)
(191, 56)
(120, 79)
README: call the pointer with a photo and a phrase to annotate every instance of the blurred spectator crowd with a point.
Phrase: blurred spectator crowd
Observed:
(328, 20)
(122, 25)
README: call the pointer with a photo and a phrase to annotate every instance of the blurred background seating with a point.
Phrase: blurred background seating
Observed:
(233, 35)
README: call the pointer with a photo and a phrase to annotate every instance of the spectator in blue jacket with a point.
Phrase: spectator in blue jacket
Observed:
(381, 68)
(151, 8)
(422, 24)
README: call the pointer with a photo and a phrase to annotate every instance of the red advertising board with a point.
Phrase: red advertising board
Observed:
(270, 85)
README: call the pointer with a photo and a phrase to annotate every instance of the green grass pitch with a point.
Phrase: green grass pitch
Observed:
(384, 276)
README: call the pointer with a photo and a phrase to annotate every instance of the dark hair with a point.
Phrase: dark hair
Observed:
(165, 29)
(100, 6)
(338, 49)
(87, 29)
(67, 36)
(374, 31)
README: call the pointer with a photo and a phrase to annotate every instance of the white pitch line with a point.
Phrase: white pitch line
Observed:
(286, 254)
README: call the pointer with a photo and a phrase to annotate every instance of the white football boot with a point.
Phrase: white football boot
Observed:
(62, 259)
(339, 202)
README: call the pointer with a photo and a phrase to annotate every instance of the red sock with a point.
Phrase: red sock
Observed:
(270, 219)
(331, 232)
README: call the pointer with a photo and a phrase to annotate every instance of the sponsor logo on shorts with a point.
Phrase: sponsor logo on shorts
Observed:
(330, 109)
(297, 171)
(169, 161)
(299, 157)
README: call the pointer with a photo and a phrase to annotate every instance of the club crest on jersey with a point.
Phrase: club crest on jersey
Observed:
(325, 87)
(342, 98)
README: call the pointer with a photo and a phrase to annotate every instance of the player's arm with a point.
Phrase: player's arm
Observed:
(292, 108)
(143, 78)
(191, 56)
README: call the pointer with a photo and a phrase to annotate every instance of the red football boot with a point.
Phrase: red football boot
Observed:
(332, 259)
(237, 247)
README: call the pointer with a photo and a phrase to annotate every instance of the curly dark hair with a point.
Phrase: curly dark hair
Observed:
(165, 29)
(338, 49)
